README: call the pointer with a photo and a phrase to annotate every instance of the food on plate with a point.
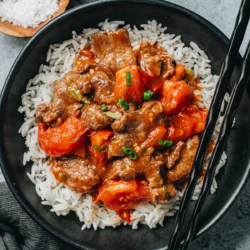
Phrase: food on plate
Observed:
(125, 156)
(120, 127)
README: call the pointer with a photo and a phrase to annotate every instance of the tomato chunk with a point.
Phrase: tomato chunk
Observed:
(99, 138)
(120, 195)
(157, 133)
(135, 91)
(151, 81)
(79, 149)
(187, 122)
(179, 73)
(175, 96)
(61, 140)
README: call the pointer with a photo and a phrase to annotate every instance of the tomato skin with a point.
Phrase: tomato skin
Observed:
(187, 122)
(175, 96)
(59, 141)
(179, 73)
(135, 91)
(125, 215)
(79, 149)
(120, 195)
(157, 133)
(151, 81)
(99, 137)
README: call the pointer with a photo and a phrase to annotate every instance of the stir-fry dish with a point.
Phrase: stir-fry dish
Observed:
(124, 124)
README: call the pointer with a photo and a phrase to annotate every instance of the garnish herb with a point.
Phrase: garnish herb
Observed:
(116, 115)
(157, 182)
(76, 94)
(130, 152)
(121, 62)
(129, 97)
(76, 139)
(71, 80)
(144, 150)
(104, 107)
(123, 103)
(90, 98)
(165, 142)
(128, 79)
(102, 149)
(165, 191)
(148, 95)
(62, 176)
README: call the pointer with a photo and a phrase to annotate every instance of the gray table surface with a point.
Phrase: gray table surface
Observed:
(233, 231)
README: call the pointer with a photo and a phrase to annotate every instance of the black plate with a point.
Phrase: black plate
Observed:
(179, 21)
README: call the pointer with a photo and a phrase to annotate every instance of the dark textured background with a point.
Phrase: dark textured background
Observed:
(233, 231)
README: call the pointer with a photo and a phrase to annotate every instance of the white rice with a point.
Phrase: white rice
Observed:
(40, 89)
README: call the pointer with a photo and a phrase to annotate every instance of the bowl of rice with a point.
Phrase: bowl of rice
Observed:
(74, 217)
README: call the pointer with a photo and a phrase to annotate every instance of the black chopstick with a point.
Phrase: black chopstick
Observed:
(225, 75)
(226, 126)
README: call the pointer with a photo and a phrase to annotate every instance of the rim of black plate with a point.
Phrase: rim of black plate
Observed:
(22, 55)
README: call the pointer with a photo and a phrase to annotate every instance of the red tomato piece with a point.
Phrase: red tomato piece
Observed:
(175, 96)
(187, 122)
(79, 149)
(120, 195)
(99, 138)
(125, 215)
(157, 133)
(135, 91)
(151, 81)
(61, 140)
(179, 73)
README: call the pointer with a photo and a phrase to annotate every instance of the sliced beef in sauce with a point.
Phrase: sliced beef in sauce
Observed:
(64, 105)
(152, 58)
(75, 172)
(103, 88)
(114, 49)
(161, 195)
(134, 127)
(94, 117)
(146, 165)
(174, 155)
(182, 168)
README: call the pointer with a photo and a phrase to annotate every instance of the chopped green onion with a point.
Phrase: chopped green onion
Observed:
(129, 97)
(157, 182)
(84, 104)
(165, 142)
(133, 156)
(128, 150)
(103, 150)
(62, 176)
(144, 150)
(100, 149)
(91, 98)
(104, 107)
(165, 191)
(76, 139)
(116, 115)
(121, 62)
(128, 79)
(71, 80)
(76, 94)
(148, 95)
(123, 103)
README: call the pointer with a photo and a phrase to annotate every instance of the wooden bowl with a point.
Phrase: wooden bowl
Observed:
(19, 31)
